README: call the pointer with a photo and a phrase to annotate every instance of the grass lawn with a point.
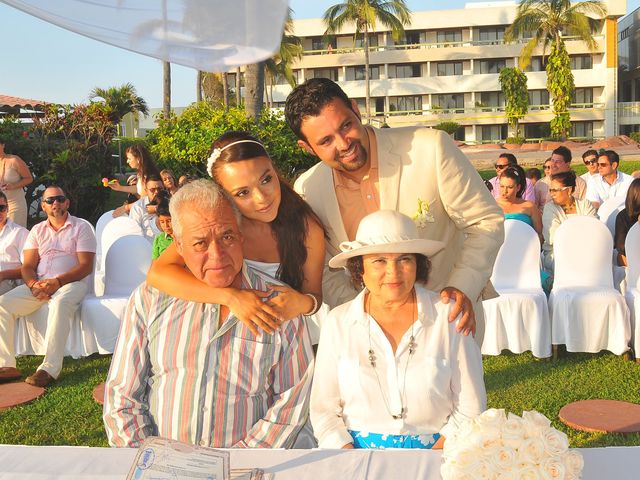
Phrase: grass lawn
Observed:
(67, 414)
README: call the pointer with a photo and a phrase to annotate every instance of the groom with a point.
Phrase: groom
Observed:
(415, 170)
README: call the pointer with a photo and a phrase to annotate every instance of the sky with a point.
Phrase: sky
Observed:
(43, 62)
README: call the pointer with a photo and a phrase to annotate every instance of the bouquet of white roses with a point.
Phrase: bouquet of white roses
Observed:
(499, 446)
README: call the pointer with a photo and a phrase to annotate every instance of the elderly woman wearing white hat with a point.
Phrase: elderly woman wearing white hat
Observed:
(391, 371)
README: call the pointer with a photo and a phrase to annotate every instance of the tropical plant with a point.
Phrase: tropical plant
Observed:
(547, 20)
(121, 100)
(449, 127)
(392, 14)
(281, 64)
(513, 83)
(183, 143)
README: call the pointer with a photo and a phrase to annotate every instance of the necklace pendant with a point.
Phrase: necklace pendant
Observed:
(400, 415)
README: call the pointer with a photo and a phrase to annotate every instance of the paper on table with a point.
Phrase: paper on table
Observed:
(161, 458)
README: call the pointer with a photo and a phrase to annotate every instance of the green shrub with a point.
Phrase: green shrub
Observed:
(183, 143)
(449, 127)
(635, 136)
(516, 140)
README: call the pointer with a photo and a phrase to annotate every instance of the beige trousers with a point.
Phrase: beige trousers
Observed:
(62, 308)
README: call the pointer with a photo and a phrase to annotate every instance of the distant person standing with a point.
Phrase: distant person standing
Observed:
(14, 176)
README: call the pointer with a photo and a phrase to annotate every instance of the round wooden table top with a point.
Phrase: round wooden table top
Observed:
(98, 393)
(18, 393)
(606, 416)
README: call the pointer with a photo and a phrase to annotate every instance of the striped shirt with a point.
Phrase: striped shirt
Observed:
(177, 374)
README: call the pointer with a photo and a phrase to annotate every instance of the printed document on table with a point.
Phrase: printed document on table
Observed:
(163, 459)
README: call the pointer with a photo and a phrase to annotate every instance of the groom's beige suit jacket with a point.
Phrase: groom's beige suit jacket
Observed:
(420, 164)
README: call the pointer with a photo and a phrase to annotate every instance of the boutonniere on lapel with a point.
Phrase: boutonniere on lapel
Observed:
(423, 215)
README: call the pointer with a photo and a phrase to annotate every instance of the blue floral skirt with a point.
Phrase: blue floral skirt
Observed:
(382, 440)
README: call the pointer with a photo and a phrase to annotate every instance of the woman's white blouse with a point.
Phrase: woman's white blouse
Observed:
(444, 379)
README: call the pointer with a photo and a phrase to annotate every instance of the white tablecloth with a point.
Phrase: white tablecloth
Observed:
(40, 463)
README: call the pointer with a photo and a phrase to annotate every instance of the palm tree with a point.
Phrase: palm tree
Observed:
(166, 89)
(281, 63)
(122, 100)
(254, 75)
(392, 14)
(547, 20)
(199, 86)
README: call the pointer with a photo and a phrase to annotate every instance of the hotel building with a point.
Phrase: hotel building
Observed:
(446, 68)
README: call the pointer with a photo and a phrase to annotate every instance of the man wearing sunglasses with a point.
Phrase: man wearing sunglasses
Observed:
(143, 213)
(58, 255)
(610, 183)
(12, 238)
(590, 159)
(509, 160)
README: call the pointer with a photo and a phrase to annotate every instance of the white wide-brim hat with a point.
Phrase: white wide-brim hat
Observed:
(385, 231)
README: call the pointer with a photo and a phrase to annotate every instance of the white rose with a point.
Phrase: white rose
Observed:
(555, 442)
(574, 463)
(536, 418)
(485, 471)
(529, 472)
(513, 431)
(491, 439)
(553, 468)
(508, 474)
(531, 450)
(493, 417)
(504, 458)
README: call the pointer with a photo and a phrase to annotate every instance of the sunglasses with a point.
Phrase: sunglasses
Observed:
(603, 165)
(591, 162)
(547, 167)
(4, 208)
(55, 198)
(558, 190)
(500, 167)
(155, 189)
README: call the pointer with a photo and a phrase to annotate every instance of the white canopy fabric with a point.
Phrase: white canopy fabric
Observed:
(208, 35)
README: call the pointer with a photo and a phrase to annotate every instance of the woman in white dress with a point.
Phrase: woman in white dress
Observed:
(14, 176)
(391, 370)
(282, 236)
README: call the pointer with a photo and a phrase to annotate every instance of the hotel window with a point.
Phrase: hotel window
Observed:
(538, 99)
(373, 40)
(581, 62)
(357, 73)
(491, 99)
(408, 103)
(582, 129)
(450, 36)
(493, 132)
(320, 43)
(537, 65)
(582, 95)
(282, 80)
(408, 70)
(448, 68)
(493, 65)
(450, 102)
(491, 35)
(410, 38)
(330, 73)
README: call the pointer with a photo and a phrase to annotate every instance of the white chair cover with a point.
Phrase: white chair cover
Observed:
(587, 313)
(518, 320)
(105, 218)
(113, 230)
(127, 262)
(632, 295)
(608, 211)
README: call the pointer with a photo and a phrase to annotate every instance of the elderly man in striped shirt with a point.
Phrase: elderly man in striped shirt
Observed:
(191, 371)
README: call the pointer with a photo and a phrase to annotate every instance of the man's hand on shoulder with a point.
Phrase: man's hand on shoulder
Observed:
(467, 323)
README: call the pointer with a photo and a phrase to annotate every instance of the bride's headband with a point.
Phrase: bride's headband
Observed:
(218, 151)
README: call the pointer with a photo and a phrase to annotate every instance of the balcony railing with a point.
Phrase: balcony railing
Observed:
(485, 109)
(628, 109)
(414, 46)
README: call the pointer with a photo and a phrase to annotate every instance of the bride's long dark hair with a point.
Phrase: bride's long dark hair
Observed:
(294, 214)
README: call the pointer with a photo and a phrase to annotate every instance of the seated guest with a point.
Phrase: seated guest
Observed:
(143, 211)
(506, 160)
(561, 162)
(12, 238)
(627, 218)
(191, 371)
(58, 255)
(164, 238)
(611, 182)
(562, 206)
(391, 371)
(546, 169)
(169, 181)
(540, 189)
(512, 184)
(590, 159)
